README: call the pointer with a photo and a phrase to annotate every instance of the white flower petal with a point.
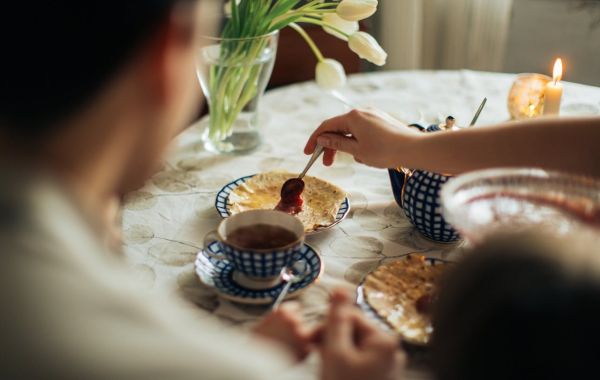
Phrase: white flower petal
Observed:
(348, 27)
(356, 10)
(367, 47)
(330, 74)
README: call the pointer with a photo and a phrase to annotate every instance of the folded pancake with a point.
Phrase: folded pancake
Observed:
(395, 291)
(322, 199)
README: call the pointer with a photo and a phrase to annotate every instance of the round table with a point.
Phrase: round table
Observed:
(165, 222)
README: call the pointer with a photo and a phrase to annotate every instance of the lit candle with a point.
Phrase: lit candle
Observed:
(554, 91)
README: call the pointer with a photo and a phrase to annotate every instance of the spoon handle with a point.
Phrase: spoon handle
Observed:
(318, 151)
(344, 100)
(478, 113)
(281, 296)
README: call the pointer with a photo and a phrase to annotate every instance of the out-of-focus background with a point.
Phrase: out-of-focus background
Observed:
(512, 36)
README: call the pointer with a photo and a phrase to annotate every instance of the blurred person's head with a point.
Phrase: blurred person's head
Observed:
(95, 90)
(520, 307)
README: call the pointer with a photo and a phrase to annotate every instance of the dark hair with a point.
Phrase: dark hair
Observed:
(509, 312)
(57, 55)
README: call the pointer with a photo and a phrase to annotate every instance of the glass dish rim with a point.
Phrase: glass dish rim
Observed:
(451, 203)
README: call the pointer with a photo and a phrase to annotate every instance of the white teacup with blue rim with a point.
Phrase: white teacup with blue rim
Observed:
(258, 243)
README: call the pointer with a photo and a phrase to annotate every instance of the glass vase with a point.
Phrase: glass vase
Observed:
(233, 74)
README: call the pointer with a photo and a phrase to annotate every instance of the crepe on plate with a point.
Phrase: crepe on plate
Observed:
(322, 199)
(393, 290)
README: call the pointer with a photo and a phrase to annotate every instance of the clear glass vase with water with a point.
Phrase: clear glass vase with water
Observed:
(234, 74)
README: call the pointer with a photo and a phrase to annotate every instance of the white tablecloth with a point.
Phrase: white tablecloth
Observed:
(165, 222)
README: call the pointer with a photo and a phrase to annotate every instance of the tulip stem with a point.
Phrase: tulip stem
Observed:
(299, 13)
(316, 21)
(319, 11)
(309, 41)
(317, 4)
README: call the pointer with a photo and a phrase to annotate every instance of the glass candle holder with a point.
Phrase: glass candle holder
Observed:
(526, 97)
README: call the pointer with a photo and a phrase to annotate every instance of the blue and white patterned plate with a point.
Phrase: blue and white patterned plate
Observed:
(361, 299)
(219, 274)
(222, 203)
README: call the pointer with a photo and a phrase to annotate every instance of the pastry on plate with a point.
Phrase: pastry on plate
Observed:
(402, 292)
(322, 200)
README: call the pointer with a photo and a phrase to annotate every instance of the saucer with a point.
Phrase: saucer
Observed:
(229, 284)
(222, 204)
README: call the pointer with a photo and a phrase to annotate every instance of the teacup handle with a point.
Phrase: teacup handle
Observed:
(210, 238)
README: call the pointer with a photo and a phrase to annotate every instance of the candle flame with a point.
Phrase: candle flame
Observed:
(558, 70)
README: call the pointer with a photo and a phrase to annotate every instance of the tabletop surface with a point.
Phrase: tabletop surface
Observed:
(165, 222)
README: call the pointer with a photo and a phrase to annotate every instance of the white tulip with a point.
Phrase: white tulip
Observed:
(367, 48)
(356, 10)
(348, 27)
(330, 74)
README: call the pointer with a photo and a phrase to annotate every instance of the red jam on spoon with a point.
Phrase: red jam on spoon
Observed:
(291, 196)
(424, 304)
(291, 191)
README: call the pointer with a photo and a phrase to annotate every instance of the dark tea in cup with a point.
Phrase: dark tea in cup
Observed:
(261, 236)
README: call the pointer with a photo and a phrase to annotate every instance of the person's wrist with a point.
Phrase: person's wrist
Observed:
(404, 148)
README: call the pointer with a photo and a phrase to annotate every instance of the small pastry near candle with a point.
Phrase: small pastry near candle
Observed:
(450, 122)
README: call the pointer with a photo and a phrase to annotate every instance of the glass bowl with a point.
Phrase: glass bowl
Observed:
(510, 200)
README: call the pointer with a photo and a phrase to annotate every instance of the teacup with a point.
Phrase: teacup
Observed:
(257, 263)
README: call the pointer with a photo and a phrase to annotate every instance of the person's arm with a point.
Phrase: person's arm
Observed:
(565, 144)
(568, 144)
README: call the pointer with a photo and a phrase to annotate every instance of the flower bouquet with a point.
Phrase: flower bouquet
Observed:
(235, 69)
